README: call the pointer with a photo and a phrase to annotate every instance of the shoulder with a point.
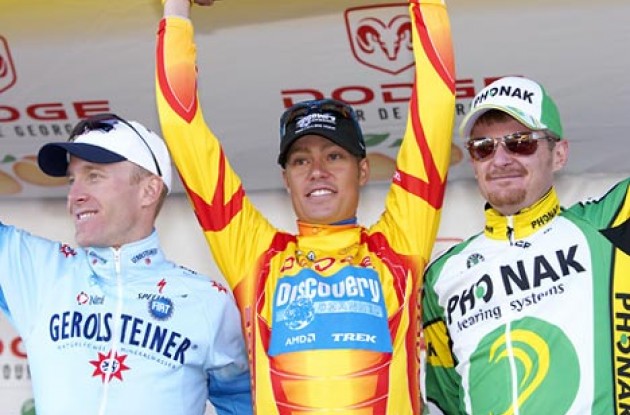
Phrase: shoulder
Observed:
(200, 284)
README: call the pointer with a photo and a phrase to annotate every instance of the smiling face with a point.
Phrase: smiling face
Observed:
(511, 182)
(111, 204)
(324, 180)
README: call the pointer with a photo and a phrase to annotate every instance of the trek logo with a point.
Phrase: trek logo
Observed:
(380, 36)
(520, 277)
(506, 91)
(8, 75)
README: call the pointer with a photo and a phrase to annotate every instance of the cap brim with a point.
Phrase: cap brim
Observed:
(323, 132)
(469, 120)
(53, 157)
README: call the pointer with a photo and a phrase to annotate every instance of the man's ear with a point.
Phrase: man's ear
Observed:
(364, 171)
(560, 154)
(152, 190)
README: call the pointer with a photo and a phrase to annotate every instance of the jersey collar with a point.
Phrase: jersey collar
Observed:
(524, 223)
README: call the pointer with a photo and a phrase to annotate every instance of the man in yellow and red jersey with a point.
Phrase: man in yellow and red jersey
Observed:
(331, 314)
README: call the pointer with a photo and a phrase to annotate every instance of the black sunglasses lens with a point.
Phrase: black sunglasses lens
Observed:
(522, 144)
(303, 109)
(105, 122)
(290, 116)
(97, 122)
(482, 148)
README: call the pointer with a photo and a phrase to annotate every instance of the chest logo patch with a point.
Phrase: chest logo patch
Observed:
(109, 366)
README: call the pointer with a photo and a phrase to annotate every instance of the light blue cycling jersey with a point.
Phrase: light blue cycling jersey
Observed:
(122, 331)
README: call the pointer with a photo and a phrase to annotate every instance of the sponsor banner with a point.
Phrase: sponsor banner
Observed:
(256, 59)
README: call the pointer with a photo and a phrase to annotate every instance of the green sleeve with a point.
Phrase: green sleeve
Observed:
(442, 382)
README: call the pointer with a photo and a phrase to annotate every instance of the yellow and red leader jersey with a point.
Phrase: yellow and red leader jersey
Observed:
(331, 315)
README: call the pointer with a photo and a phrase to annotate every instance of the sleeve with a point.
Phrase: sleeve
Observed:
(416, 195)
(229, 381)
(442, 382)
(27, 272)
(413, 204)
(610, 214)
(234, 230)
(610, 210)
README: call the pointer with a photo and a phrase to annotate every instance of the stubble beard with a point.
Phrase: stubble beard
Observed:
(507, 198)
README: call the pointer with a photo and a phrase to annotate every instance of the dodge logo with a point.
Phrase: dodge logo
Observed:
(7, 69)
(380, 36)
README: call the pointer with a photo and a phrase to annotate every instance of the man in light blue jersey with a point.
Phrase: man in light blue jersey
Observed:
(113, 327)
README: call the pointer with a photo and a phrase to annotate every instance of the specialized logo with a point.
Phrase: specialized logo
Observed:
(8, 75)
(380, 36)
(530, 366)
(109, 366)
(161, 284)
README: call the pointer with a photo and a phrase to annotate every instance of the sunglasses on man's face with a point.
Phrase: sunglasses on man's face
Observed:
(520, 143)
(105, 122)
(322, 106)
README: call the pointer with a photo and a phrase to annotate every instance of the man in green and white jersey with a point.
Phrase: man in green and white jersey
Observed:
(531, 315)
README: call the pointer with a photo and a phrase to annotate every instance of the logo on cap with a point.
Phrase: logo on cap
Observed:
(380, 37)
(316, 121)
(7, 68)
(508, 91)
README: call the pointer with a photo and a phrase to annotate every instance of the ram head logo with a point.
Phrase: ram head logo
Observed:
(7, 69)
(380, 37)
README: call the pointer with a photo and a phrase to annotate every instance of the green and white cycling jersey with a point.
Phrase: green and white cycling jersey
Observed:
(532, 316)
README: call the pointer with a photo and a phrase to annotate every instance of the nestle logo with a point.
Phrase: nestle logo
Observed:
(380, 36)
(7, 69)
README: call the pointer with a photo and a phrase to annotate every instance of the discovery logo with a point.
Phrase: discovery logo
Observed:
(380, 36)
(7, 68)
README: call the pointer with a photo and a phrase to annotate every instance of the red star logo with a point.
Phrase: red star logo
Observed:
(67, 251)
(107, 365)
(220, 287)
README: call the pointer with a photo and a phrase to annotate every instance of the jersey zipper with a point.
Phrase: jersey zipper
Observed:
(510, 229)
(113, 361)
